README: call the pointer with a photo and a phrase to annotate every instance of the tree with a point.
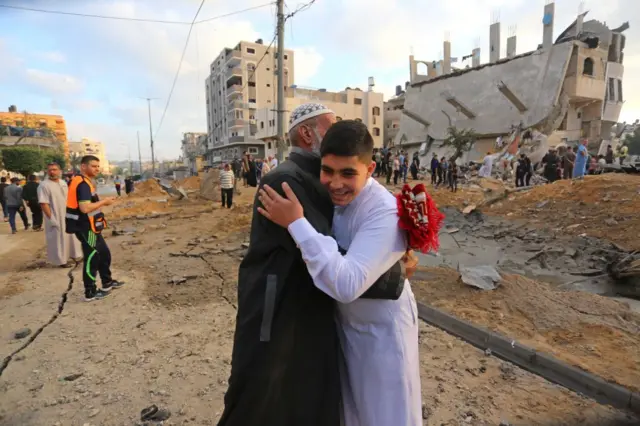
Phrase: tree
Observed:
(633, 142)
(56, 156)
(25, 160)
(74, 160)
(461, 140)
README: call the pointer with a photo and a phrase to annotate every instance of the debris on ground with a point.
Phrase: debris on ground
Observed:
(592, 332)
(604, 206)
(484, 277)
(189, 183)
(148, 188)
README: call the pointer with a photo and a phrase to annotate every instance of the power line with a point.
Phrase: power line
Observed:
(266, 52)
(175, 79)
(123, 18)
(234, 13)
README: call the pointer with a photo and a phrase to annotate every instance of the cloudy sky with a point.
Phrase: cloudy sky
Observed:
(94, 71)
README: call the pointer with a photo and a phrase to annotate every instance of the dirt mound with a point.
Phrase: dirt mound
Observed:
(603, 206)
(149, 188)
(191, 182)
(592, 332)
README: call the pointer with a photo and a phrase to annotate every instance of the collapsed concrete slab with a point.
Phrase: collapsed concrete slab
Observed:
(210, 185)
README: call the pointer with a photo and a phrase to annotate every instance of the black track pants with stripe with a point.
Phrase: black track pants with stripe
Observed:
(97, 259)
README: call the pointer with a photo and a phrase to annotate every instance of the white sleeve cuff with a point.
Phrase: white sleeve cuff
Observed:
(301, 230)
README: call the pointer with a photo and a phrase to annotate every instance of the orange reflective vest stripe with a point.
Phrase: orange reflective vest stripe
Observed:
(96, 218)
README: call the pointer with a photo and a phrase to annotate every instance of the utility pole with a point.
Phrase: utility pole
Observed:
(153, 158)
(130, 163)
(139, 154)
(281, 105)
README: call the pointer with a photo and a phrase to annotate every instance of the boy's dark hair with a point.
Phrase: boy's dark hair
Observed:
(89, 158)
(348, 138)
(3, 179)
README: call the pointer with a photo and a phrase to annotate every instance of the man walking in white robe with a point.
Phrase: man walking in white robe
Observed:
(487, 166)
(379, 338)
(52, 196)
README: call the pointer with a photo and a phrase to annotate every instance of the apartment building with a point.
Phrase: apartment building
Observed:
(235, 89)
(37, 125)
(348, 104)
(90, 147)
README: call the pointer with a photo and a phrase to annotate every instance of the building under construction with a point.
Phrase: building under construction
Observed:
(565, 91)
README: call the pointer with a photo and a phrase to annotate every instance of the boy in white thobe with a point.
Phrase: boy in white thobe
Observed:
(379, 338)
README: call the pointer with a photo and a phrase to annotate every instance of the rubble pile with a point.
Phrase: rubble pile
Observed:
(210, 185)
(148, 188)
(604, 206)
(189, 183)
(592, 332)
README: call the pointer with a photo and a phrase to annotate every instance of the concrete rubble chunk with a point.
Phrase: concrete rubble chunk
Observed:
(21, 334)
(483, 277)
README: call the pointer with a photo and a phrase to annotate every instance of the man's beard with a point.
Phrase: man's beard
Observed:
(315, 148)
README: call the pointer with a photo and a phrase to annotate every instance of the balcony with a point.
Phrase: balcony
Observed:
(584, 87)
(234, 72)
(234, 92)
(611, 111)
(233, 124)
(233, 104)
(234, 57)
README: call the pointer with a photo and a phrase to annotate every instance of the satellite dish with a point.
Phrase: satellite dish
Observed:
(547, 19)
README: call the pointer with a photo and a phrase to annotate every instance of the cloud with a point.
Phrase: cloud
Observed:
(53, 83)
(307, 62)
(53, 56)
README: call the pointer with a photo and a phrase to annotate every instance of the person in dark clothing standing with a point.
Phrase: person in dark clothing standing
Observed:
(415, 167)
(528, 170)
(435, 165)
(550, 161)
(453, 175)
(252, 174)
(520, 171)
(388, 161)
(608, 157)
(15, 204)
(30, 196)
(128, 185)
(85, 219)
(3, 202)
(286, 353)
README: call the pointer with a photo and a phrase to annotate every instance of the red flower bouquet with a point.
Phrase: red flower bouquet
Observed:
(419, 216)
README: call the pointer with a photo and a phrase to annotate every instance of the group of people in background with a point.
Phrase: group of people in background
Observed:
(15, 200)
(128, 185)
(444, 171)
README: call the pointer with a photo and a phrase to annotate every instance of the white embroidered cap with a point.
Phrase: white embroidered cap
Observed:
(305, 112)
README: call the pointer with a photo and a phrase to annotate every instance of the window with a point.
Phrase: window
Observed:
(269, 145)
(252, 84)
(253, 150)
(357, 101)
(251, 50)
(620, 90)
(286, 57)
(268, 85)
(376, 131)
(375, 111)
(587, 67)
(262, 124)
(611, 90)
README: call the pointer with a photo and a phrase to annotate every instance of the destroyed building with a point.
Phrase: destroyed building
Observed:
(567, 90)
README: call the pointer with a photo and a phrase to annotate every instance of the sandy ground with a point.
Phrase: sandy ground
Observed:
(166, 337)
